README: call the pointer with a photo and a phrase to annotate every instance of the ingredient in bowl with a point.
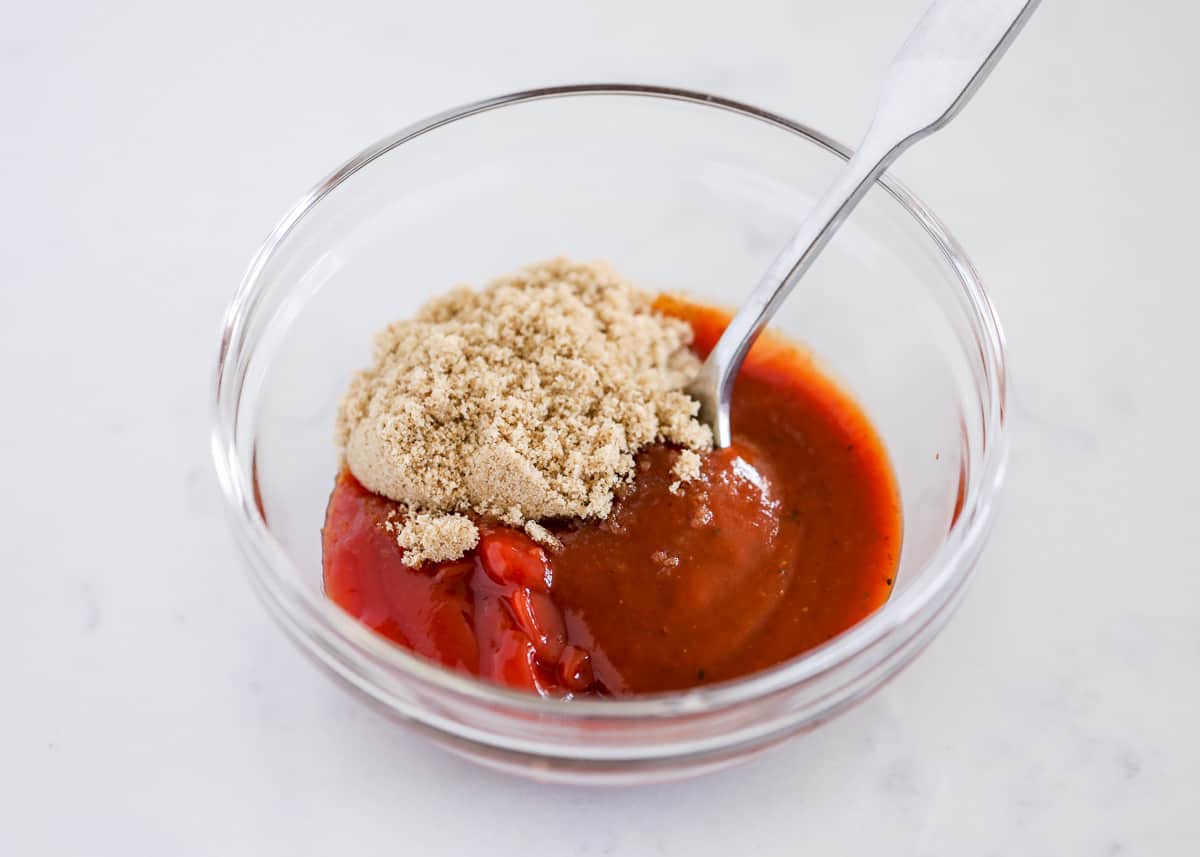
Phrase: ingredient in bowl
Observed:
(526, 400)
(768, 549)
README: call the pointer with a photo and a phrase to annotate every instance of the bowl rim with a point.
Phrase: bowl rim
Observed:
(322, 628)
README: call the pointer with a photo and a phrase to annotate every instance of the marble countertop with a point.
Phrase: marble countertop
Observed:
(151, 707)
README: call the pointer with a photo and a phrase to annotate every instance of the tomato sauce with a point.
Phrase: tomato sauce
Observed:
(788, 538)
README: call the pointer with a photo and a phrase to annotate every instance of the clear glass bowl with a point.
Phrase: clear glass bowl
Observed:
(683, 192)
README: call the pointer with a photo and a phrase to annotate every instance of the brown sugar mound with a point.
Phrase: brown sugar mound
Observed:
(526, 400)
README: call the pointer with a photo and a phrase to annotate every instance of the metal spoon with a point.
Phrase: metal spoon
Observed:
(938, 69)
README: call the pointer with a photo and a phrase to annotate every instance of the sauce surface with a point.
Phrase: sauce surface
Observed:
(788, 538)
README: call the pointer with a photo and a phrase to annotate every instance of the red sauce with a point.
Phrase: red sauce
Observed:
(788, 538)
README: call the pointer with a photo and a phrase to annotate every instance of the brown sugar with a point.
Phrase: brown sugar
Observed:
(522, 401)
(685, 469)
(542, 536)
(435, 537)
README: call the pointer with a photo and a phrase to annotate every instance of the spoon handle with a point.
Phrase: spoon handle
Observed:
(942, 63)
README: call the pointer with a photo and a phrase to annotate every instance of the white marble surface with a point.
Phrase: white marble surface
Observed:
(149, 705)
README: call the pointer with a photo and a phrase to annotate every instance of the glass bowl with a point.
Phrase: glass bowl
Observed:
(682, 191)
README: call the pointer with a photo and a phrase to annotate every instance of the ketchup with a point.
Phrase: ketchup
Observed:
(785, 540)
